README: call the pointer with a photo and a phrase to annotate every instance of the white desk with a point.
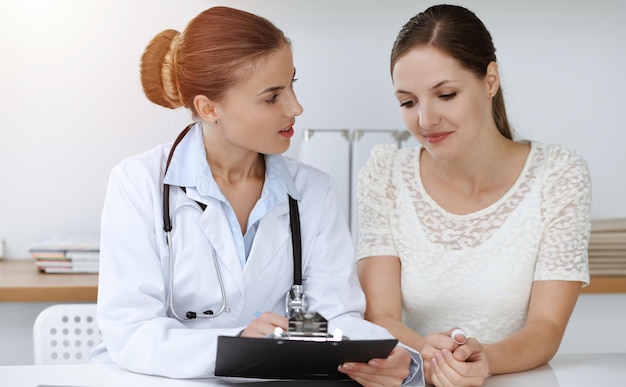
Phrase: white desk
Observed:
(606, 370)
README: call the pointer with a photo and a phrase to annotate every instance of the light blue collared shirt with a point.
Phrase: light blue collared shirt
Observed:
(189, 168)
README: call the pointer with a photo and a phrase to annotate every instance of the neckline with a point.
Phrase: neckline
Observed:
(521, 178)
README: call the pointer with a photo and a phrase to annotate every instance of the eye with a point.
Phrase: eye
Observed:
(407, 104)
(272, 99)
(448, 96)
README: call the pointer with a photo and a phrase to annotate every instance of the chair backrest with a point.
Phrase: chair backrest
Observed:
(65, 333)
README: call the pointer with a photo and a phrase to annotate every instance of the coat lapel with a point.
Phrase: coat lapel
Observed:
(215, 227)
(271, 237)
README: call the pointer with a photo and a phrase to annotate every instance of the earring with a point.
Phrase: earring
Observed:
(215, 122)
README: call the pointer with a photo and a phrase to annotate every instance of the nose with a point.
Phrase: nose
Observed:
(427, 116)
(293, 108)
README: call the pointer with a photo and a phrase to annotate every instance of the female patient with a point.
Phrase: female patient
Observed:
(227, 263)
(471, 229)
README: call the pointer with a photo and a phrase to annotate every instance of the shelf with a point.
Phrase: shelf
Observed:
(20, 281)
(606, 284)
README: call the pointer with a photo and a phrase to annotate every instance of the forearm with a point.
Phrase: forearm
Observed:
(551, 305)
(530, 347)
(404, 334)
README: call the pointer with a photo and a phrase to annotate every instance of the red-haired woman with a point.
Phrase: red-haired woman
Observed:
(197, 239)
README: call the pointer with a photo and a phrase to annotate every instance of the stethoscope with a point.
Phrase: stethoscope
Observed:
(295, 299)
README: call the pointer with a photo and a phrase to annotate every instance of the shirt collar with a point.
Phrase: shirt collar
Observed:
(189, 168)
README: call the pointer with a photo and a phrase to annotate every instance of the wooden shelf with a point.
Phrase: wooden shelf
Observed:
(20, 281)
(606, 284)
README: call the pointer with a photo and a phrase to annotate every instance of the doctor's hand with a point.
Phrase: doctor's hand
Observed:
(468, 365)
(265, 325)
(388, 372)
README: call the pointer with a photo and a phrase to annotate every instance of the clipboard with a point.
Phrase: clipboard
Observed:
(269, 358)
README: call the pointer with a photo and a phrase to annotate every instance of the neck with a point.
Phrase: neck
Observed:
(481, 167)
(229, 163)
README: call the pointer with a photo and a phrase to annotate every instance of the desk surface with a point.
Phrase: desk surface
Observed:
(20, 281)
(606, 370)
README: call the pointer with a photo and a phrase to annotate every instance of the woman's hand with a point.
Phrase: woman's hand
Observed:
(388, 372)
(433, 344)
(265, 325)
(467, 365)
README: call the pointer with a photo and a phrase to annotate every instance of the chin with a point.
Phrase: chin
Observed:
(284, 148)
(440, 153)
(277, 150)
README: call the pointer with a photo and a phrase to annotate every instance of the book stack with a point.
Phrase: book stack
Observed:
(607, 247)
(67, 254)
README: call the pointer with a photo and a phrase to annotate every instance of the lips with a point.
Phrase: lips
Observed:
(287, 132)
(289, 127)
(437, 137)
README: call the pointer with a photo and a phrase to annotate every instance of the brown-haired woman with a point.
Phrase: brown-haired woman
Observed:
(196, 240)
(472, 229)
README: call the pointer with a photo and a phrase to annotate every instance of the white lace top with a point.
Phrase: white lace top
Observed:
(476, 270)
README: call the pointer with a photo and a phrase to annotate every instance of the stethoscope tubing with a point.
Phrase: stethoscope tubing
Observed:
(295, 299)
(171, 285)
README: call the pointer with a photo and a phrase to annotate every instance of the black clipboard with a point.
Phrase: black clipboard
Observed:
(269, 358)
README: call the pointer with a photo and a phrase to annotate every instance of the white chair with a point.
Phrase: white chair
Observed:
(65, 333)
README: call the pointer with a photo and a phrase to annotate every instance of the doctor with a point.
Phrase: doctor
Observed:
(196, 239)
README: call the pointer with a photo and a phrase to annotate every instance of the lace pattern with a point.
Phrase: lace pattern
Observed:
(457, 232)
(476, 269)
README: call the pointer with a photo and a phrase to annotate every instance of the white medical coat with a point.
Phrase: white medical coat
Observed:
(140, 333)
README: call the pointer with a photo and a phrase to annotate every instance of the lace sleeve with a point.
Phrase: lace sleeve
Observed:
(566, 212)
(375, 200)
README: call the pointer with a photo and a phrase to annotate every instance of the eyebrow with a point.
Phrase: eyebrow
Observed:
(432, 88)
(269, 89)
(275, 88)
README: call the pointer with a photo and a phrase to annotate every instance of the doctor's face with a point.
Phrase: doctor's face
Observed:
(259, 113)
